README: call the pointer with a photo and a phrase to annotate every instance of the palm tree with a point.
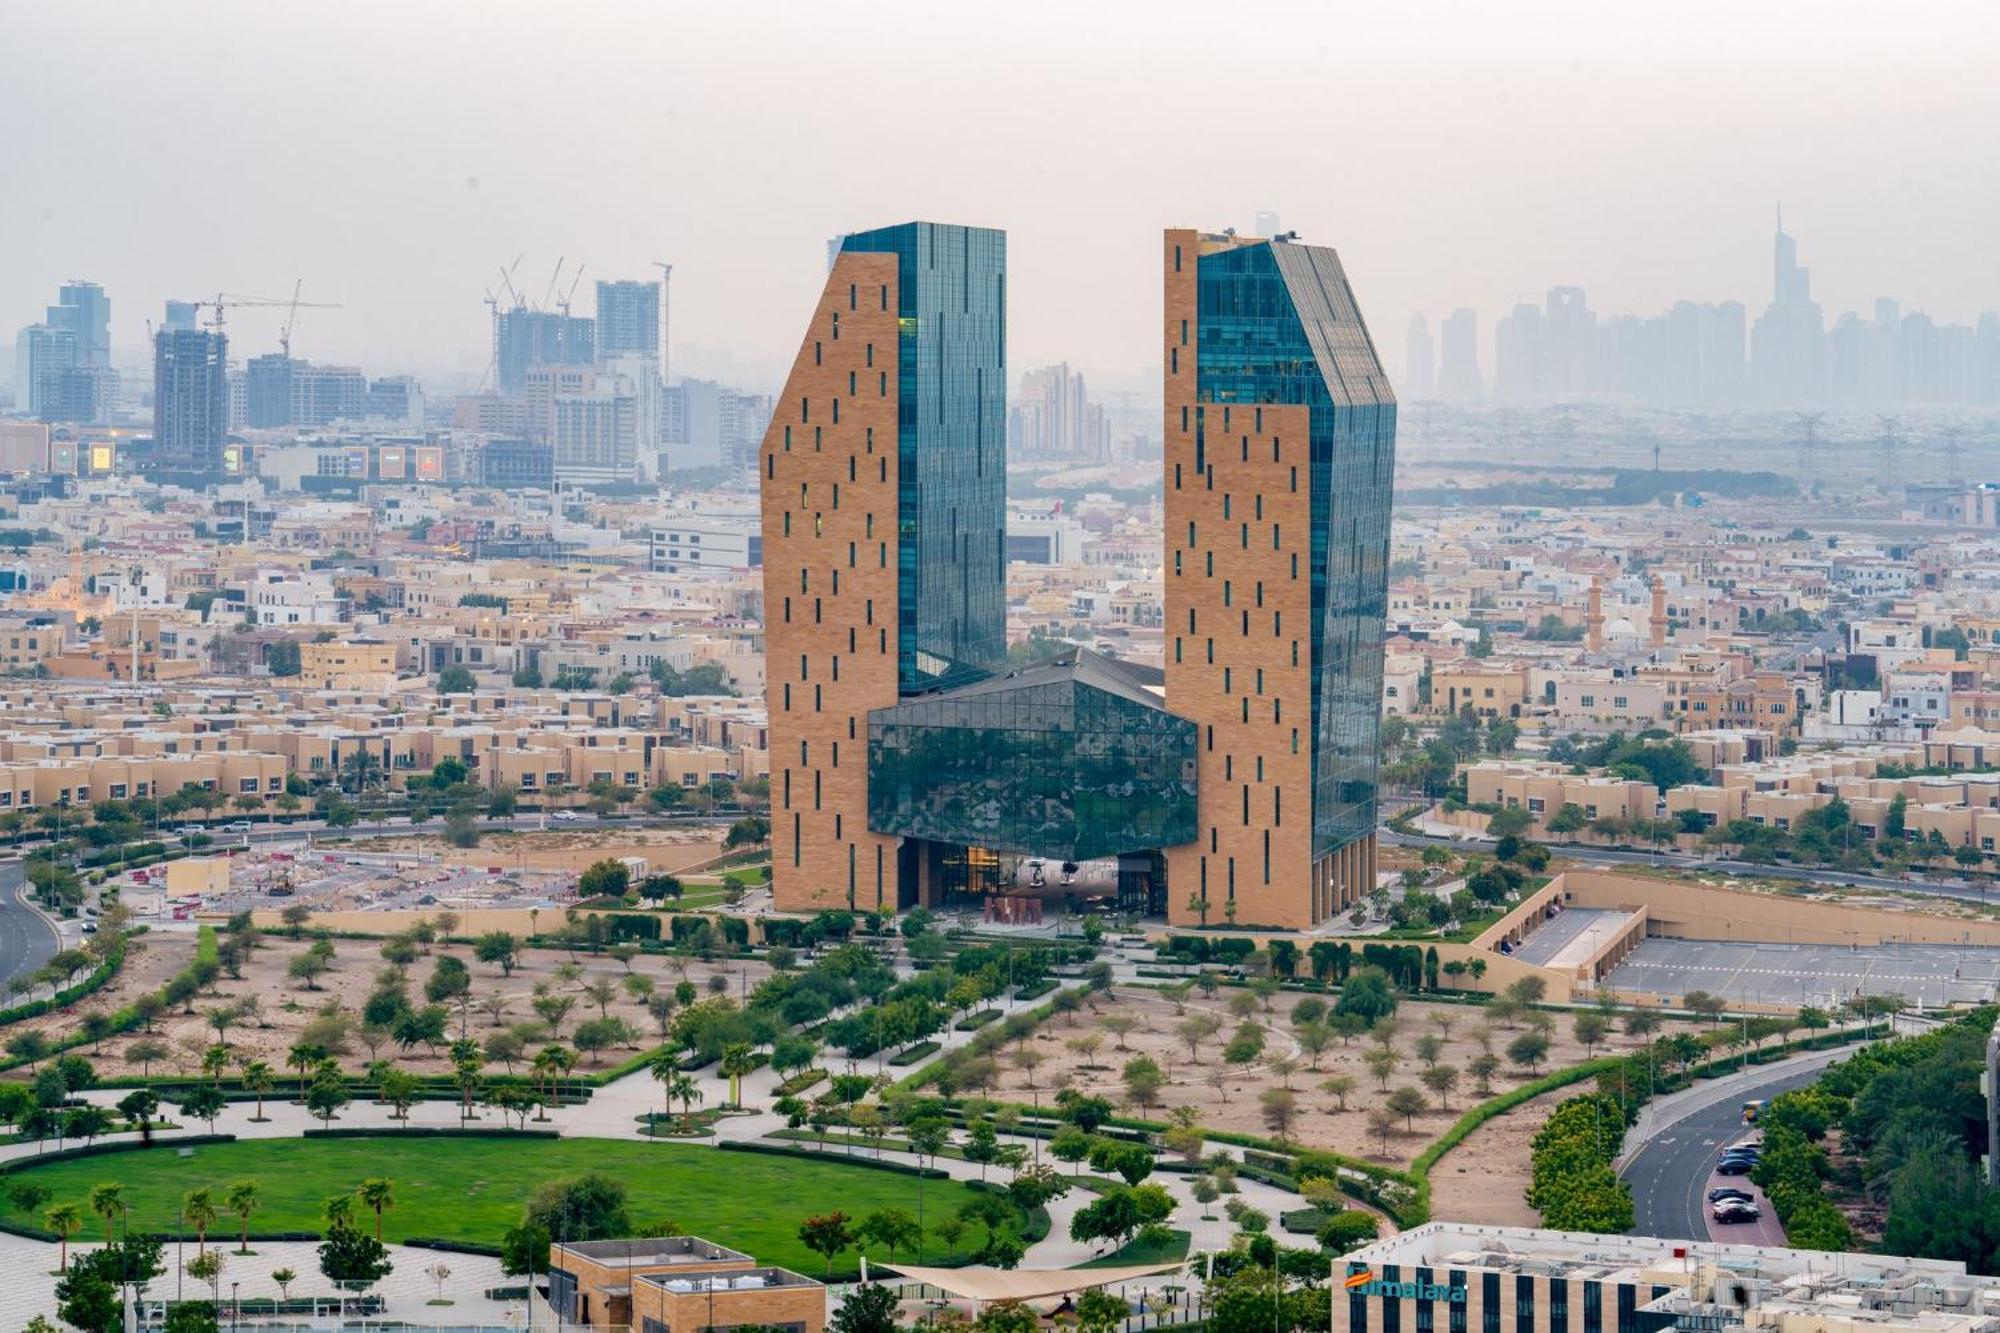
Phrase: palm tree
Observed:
(551, 1063)
(380, 1196)
(358, 770)
(302, 1059)
(664, 1068)
(338, 1211)
(65, 1221)
(242, 1200)
(108, 1202)
(258, 1077)
(737, 1060)
(199, 1211)
(687, 1092)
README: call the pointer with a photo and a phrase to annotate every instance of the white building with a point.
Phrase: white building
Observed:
(715, 542)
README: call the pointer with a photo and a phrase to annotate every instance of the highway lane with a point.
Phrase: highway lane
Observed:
(27, 940)
(1671, 1176)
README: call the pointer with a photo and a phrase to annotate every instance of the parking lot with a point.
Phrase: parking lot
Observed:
(1927, 975)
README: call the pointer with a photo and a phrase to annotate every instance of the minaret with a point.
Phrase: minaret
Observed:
(1659, 617)
(1593, 617)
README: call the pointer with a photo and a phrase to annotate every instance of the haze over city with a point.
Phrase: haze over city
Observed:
(393, 156)
(1046, 668)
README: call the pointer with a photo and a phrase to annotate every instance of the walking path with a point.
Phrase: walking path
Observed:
(612, 1111)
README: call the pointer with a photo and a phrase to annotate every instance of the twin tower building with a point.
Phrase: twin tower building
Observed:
(910, 765)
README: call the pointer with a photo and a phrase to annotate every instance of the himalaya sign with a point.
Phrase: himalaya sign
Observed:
(1363, 1282)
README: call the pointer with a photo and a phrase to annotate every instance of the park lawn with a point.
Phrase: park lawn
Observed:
(472, 1189)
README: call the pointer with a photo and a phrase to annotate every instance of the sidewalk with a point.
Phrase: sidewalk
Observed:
(1662, 1113)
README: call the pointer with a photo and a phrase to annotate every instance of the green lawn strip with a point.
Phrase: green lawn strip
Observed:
(1139, 1252)
(472, 1189)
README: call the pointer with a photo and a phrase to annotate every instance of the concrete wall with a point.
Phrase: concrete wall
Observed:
(1681, 910)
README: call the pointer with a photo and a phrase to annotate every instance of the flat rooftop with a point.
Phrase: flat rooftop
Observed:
(653, 1251)
(1580, 1255)
(1572, 936)
(1931, 975)
(757, 1279)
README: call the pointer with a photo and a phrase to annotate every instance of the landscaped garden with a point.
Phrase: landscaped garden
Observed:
(471, 1189)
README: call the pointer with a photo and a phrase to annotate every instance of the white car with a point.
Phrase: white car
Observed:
(566, 816)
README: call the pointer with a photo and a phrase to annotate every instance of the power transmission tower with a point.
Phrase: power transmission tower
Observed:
(1806, 426)
(1891, 442)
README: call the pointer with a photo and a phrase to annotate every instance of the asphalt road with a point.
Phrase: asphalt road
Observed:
(26, 938)
(1672, 1175)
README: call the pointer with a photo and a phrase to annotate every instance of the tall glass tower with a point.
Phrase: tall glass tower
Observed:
(884, 514)
(1280, 453)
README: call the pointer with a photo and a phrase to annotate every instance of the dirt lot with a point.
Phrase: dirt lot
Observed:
(1484, 1180)
(1228, 1095)
(285, 1006)
(665, 849)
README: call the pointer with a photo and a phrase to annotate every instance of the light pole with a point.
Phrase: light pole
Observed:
(235, 1306)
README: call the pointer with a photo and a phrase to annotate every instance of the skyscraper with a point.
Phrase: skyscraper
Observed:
(1788, 343)
(524, 339)
(190, 402)
(1280, 451)
(884, 521)
(41, 357)
(1459, 380)
(84, 310)
(628, 320)
(1419, 361)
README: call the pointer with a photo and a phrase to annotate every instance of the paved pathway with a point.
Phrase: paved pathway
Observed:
(611, 1112)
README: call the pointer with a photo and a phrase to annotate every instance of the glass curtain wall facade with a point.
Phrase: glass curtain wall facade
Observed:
(1044, 764)
(951, 440)
(1277, 324)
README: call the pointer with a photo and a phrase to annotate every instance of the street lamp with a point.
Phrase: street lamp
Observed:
(235, 1306)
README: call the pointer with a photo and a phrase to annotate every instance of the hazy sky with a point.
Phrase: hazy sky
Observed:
(395, 154)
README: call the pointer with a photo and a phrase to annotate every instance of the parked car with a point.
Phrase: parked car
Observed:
(1733, 1211)
(1734, 1166)
(1721, 1192)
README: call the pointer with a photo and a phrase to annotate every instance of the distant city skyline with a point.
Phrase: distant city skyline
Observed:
(1604, 146)
(1785, 353)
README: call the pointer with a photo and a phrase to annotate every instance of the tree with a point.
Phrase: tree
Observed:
(826, 1234)
(378, 1195)
(1590, 1029)
(1345, 1230)
(1528, 1049)
(351, 1259)
(108, 1202)
(198, 1210)
(1280, 1108)
(1143, 1079)
(871, 1307)
(260, 1078)
(607, 878)
(203, 1101)
(1440, 1080)
(65, 1221)
(325, 1095)
(891, 1228)
(456, 680)
(241, 1199)
(1366, 994)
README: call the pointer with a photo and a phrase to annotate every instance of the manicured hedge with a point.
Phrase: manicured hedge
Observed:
(449, 1246)
(974, 1021)
(103, 1149)
(780, 1150)
(923, 1050)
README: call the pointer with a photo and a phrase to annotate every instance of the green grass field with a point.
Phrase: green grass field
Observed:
(473, 1189)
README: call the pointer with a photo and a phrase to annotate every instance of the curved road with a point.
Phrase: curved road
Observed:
(27, 940)
(1671, 1176)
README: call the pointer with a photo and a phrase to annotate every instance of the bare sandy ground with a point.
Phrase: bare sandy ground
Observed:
(1227, 1097)
(286, 1006)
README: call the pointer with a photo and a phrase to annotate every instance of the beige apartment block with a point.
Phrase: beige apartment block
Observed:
(352, 664)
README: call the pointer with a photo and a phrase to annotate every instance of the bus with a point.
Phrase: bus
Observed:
(1751, 1109)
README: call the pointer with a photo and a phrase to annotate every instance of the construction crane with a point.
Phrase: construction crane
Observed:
(230, 300)
(562, 302)
(507, 279)
(549, 297)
